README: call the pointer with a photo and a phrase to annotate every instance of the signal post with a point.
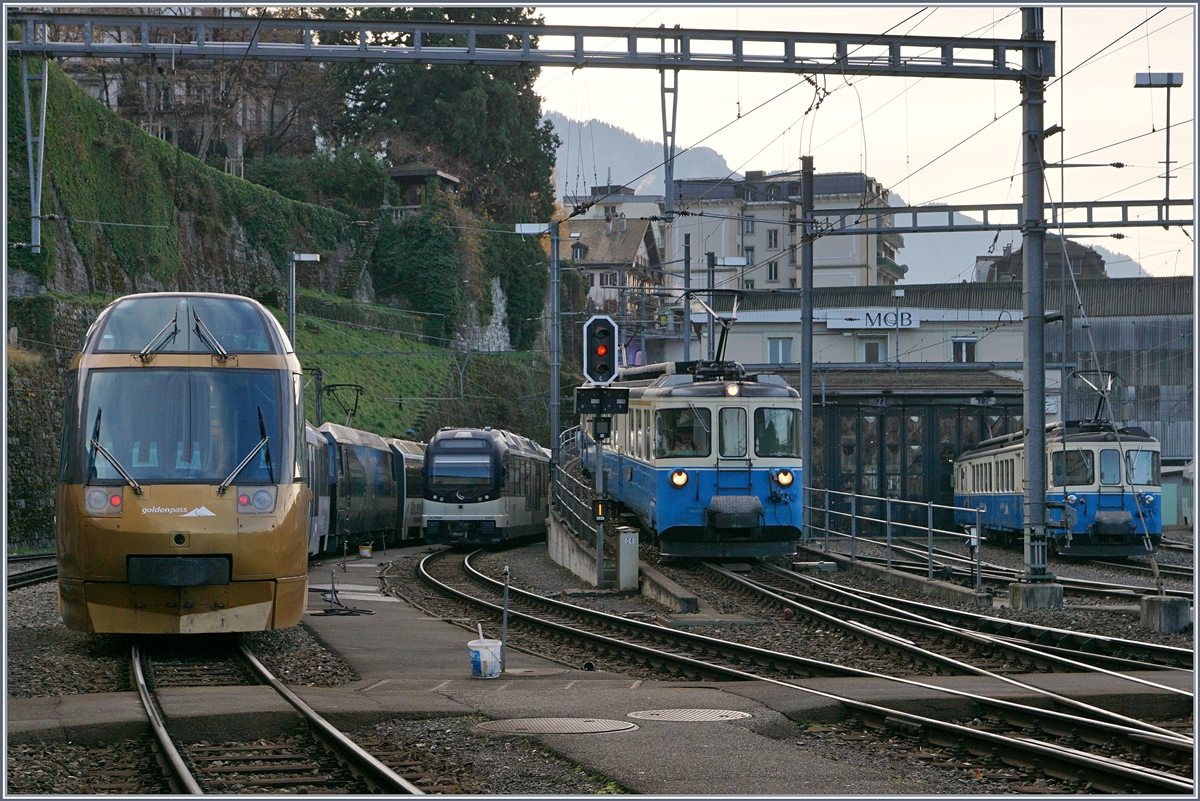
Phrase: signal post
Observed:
(599, 399)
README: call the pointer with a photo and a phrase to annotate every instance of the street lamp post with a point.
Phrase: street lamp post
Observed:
(291, 291)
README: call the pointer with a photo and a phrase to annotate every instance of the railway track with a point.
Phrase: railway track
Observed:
(1094, 649)
(960, 569)
(322, 759)
(37, 575)
(1167, 571)
(1116, 757)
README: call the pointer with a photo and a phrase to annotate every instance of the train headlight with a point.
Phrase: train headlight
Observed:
(732, 390)
(785, 477)
(1072, 499)
(679, 478)
(96, 500)
(260, 501)
(100, 501)
(1147, 499)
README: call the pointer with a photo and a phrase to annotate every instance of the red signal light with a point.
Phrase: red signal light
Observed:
(602, 350)
(115, 500)
(243, 500)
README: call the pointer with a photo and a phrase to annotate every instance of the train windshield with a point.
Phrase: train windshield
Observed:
(1144, 466)
(460, 470)
(777, 432)
(182, 426)
(168, 325)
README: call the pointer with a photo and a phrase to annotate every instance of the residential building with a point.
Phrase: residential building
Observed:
(755, 219)
(620, 262)
(1008, 266)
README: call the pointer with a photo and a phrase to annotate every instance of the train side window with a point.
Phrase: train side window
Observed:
(1077, 466)
(1110, 466)
(733, 432)
(683, 432)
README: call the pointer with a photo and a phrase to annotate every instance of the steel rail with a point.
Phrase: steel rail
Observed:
(1163, 655)
(1170, 571)
(999, 573)
(30, 557)
(894, 640)
(1105, 773)
(37, 575)
(376, 774)
(744, 653)
(881, 610)
(178, 775)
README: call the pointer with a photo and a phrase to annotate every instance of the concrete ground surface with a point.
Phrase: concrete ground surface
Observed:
(412, 666)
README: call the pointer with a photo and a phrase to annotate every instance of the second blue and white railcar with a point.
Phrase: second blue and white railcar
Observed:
(1103, 488)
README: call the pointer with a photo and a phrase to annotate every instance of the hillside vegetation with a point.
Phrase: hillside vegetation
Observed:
(102, 169)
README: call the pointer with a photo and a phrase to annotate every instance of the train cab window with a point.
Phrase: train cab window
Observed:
(1110, 466)
(777, 432)
(1078, 467)
(733, 432)
(683, 432)
(167, 324)
(1144, 466)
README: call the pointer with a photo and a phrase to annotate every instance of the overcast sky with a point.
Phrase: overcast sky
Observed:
(899, 130)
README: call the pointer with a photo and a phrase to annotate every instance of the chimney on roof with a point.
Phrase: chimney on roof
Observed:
(1008, 249)
(622, 222)
(607, 224)
(754, 175)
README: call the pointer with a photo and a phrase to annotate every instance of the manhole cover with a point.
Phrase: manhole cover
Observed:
(689, 714)
(557, 726)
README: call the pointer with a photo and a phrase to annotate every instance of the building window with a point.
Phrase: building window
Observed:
(577, 252)
(591, 279)
(748, 252)
(610, 211)
(748, 224)
(964, 350)
(772, 272)
(791, 255)
(792, 224)
(793, 189)
(772, 239)
(779, 351)
(773, 192)
(873, 350)
(748, 194)
(792, 283)
(748, 284)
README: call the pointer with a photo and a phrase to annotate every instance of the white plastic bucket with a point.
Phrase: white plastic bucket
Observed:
(485, 659)
(364, 550)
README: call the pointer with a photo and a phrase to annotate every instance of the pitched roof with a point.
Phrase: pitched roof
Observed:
(615, 249)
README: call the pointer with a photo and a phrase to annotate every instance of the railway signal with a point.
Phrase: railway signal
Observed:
(600, 350)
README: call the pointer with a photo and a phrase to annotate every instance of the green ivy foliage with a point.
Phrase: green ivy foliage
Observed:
(350, 179)
(431, 260)
(105, 170)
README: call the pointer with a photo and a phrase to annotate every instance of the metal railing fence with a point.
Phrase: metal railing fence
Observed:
(572, 497)
(853, 516)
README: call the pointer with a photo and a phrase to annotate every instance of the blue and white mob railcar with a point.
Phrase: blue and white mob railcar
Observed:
(484, 486)
(1103, 491)
(709, 459)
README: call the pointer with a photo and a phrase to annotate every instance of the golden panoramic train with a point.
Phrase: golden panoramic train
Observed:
(182, 498)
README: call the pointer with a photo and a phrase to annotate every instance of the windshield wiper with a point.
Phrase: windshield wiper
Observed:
(145, 353)
(98, 448)
(242, 465)
(208, 338)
